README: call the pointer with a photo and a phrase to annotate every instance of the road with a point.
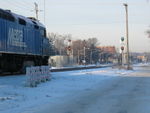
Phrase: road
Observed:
(124, 94)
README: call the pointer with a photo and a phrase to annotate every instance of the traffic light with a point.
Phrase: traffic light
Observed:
(122, 43)
(122, 48)
(122, 39)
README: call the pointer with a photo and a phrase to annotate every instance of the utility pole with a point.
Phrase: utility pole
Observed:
(84, 54)
(78, 57)
(36, 9)
(127, 35)
(91, 57)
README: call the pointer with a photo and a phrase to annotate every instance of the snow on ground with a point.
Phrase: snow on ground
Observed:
(16, 98)
(142, 64)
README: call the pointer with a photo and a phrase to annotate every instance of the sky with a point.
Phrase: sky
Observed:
(104, 19)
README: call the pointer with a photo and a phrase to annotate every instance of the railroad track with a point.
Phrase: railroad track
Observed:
(57, 70)
(9, 73)
(78, 68)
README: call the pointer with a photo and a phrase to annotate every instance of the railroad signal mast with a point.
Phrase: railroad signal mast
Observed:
(69, 48)
(122, 48)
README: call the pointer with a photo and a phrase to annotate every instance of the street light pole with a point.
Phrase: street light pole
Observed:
(91, 57)
(78, 57)
(84, 55)
(127, 35)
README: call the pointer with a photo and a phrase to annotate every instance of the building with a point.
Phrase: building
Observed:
(108, 49)
(142, 58)
(108, 54)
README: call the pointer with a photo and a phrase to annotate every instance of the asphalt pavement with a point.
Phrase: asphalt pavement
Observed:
(122, 94)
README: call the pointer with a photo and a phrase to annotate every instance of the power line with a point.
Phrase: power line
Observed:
(16, 5)
(24, 4)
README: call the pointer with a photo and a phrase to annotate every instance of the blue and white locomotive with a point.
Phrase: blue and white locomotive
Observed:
(23, 42)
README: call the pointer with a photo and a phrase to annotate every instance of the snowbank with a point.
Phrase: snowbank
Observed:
(16, 98)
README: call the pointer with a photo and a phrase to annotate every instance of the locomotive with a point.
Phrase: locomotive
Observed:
(23, 42)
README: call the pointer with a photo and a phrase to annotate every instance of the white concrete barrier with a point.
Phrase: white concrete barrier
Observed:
(37, 74)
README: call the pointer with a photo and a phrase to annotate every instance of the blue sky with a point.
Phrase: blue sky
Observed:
(104, 19)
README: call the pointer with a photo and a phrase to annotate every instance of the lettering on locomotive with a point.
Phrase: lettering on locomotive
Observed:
(15, 38)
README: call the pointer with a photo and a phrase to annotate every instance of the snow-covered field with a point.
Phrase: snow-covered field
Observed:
(16, 98)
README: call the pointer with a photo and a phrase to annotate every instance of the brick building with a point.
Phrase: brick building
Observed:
(107, 49)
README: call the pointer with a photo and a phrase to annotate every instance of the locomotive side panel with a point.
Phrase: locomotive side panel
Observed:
(23, 40)
(3, 35)
(38, 42)
(29, 38)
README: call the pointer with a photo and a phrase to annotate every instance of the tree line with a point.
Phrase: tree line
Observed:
(82, 49)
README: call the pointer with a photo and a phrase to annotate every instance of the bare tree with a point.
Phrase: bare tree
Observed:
(60, 42)
(91, 51)
(92, 42)
(77, 46)
(63, 43)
